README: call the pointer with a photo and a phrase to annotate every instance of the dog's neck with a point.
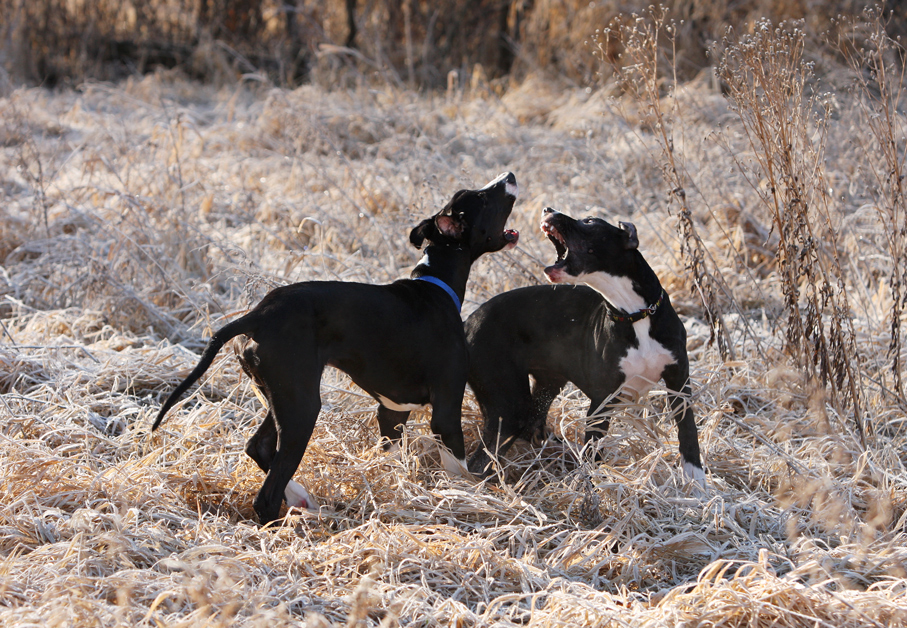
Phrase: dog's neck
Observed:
(626, 293)
(447, 263)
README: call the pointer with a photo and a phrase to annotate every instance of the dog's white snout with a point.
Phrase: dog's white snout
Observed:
(510, 186)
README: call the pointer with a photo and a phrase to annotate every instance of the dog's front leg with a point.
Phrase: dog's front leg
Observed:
(391, 423)
(687, 433)
(445, 423)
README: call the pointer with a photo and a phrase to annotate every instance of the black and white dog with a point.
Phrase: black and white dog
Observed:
(403, 343)
(616, 339)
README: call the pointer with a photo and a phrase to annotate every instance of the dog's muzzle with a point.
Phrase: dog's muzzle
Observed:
(510, 186)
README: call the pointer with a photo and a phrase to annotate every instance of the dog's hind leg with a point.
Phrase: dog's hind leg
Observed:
(598, 421)
(446, 416)
(391, 423)
(263, 444)
(295, 410)
(676, 379)
(544, 392)
(598, 417)
(507, 407)
(261, 448)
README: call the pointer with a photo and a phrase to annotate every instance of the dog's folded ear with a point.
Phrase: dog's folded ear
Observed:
(451, 226)
(631, 240)
(421, 232)
(440, 229)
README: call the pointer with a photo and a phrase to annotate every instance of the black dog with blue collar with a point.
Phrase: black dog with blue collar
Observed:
(402, 343)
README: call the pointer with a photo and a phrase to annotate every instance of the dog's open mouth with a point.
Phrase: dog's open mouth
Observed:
(560, 246)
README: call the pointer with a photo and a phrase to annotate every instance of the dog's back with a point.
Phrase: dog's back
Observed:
(374, 333)
(534, 330)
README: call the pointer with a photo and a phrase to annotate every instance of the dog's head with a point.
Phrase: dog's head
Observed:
(473, 219)
(589, 246)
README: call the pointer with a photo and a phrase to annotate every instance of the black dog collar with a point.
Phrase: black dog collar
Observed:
(639, 314)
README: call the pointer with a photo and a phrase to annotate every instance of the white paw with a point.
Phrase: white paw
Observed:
(453, 465)
(298, 497)
(696, 476)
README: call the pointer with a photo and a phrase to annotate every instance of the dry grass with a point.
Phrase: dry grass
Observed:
(138, 217)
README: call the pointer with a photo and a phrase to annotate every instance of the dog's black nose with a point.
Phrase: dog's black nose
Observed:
(511, 178)
(548, 210)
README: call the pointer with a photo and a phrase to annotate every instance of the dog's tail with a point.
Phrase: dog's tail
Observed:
(243, 325)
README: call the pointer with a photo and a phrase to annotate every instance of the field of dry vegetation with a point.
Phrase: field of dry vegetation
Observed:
(139, 215)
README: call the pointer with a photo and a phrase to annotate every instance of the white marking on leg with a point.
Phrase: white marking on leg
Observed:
(451, 464)
(696, 476)
(398, 407)
(298, 497)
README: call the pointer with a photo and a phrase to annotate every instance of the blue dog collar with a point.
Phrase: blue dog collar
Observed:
(447, 289)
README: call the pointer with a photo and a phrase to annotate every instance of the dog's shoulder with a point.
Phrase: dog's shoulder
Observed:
(539, 300)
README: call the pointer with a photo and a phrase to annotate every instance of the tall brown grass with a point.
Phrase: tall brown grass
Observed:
(639, 72)
(784, 119)
(878, 62)
(334, 42)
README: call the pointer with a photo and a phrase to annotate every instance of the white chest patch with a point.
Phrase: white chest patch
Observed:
(643, 365)
(398, 407)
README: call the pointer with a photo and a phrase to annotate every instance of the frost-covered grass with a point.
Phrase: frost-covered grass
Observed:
(139, 217)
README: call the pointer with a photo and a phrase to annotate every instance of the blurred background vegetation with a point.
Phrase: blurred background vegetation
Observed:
(420, 43)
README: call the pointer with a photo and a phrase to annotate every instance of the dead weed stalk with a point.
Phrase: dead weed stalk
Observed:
(770, 86)
(879, 64)
(641, 39)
